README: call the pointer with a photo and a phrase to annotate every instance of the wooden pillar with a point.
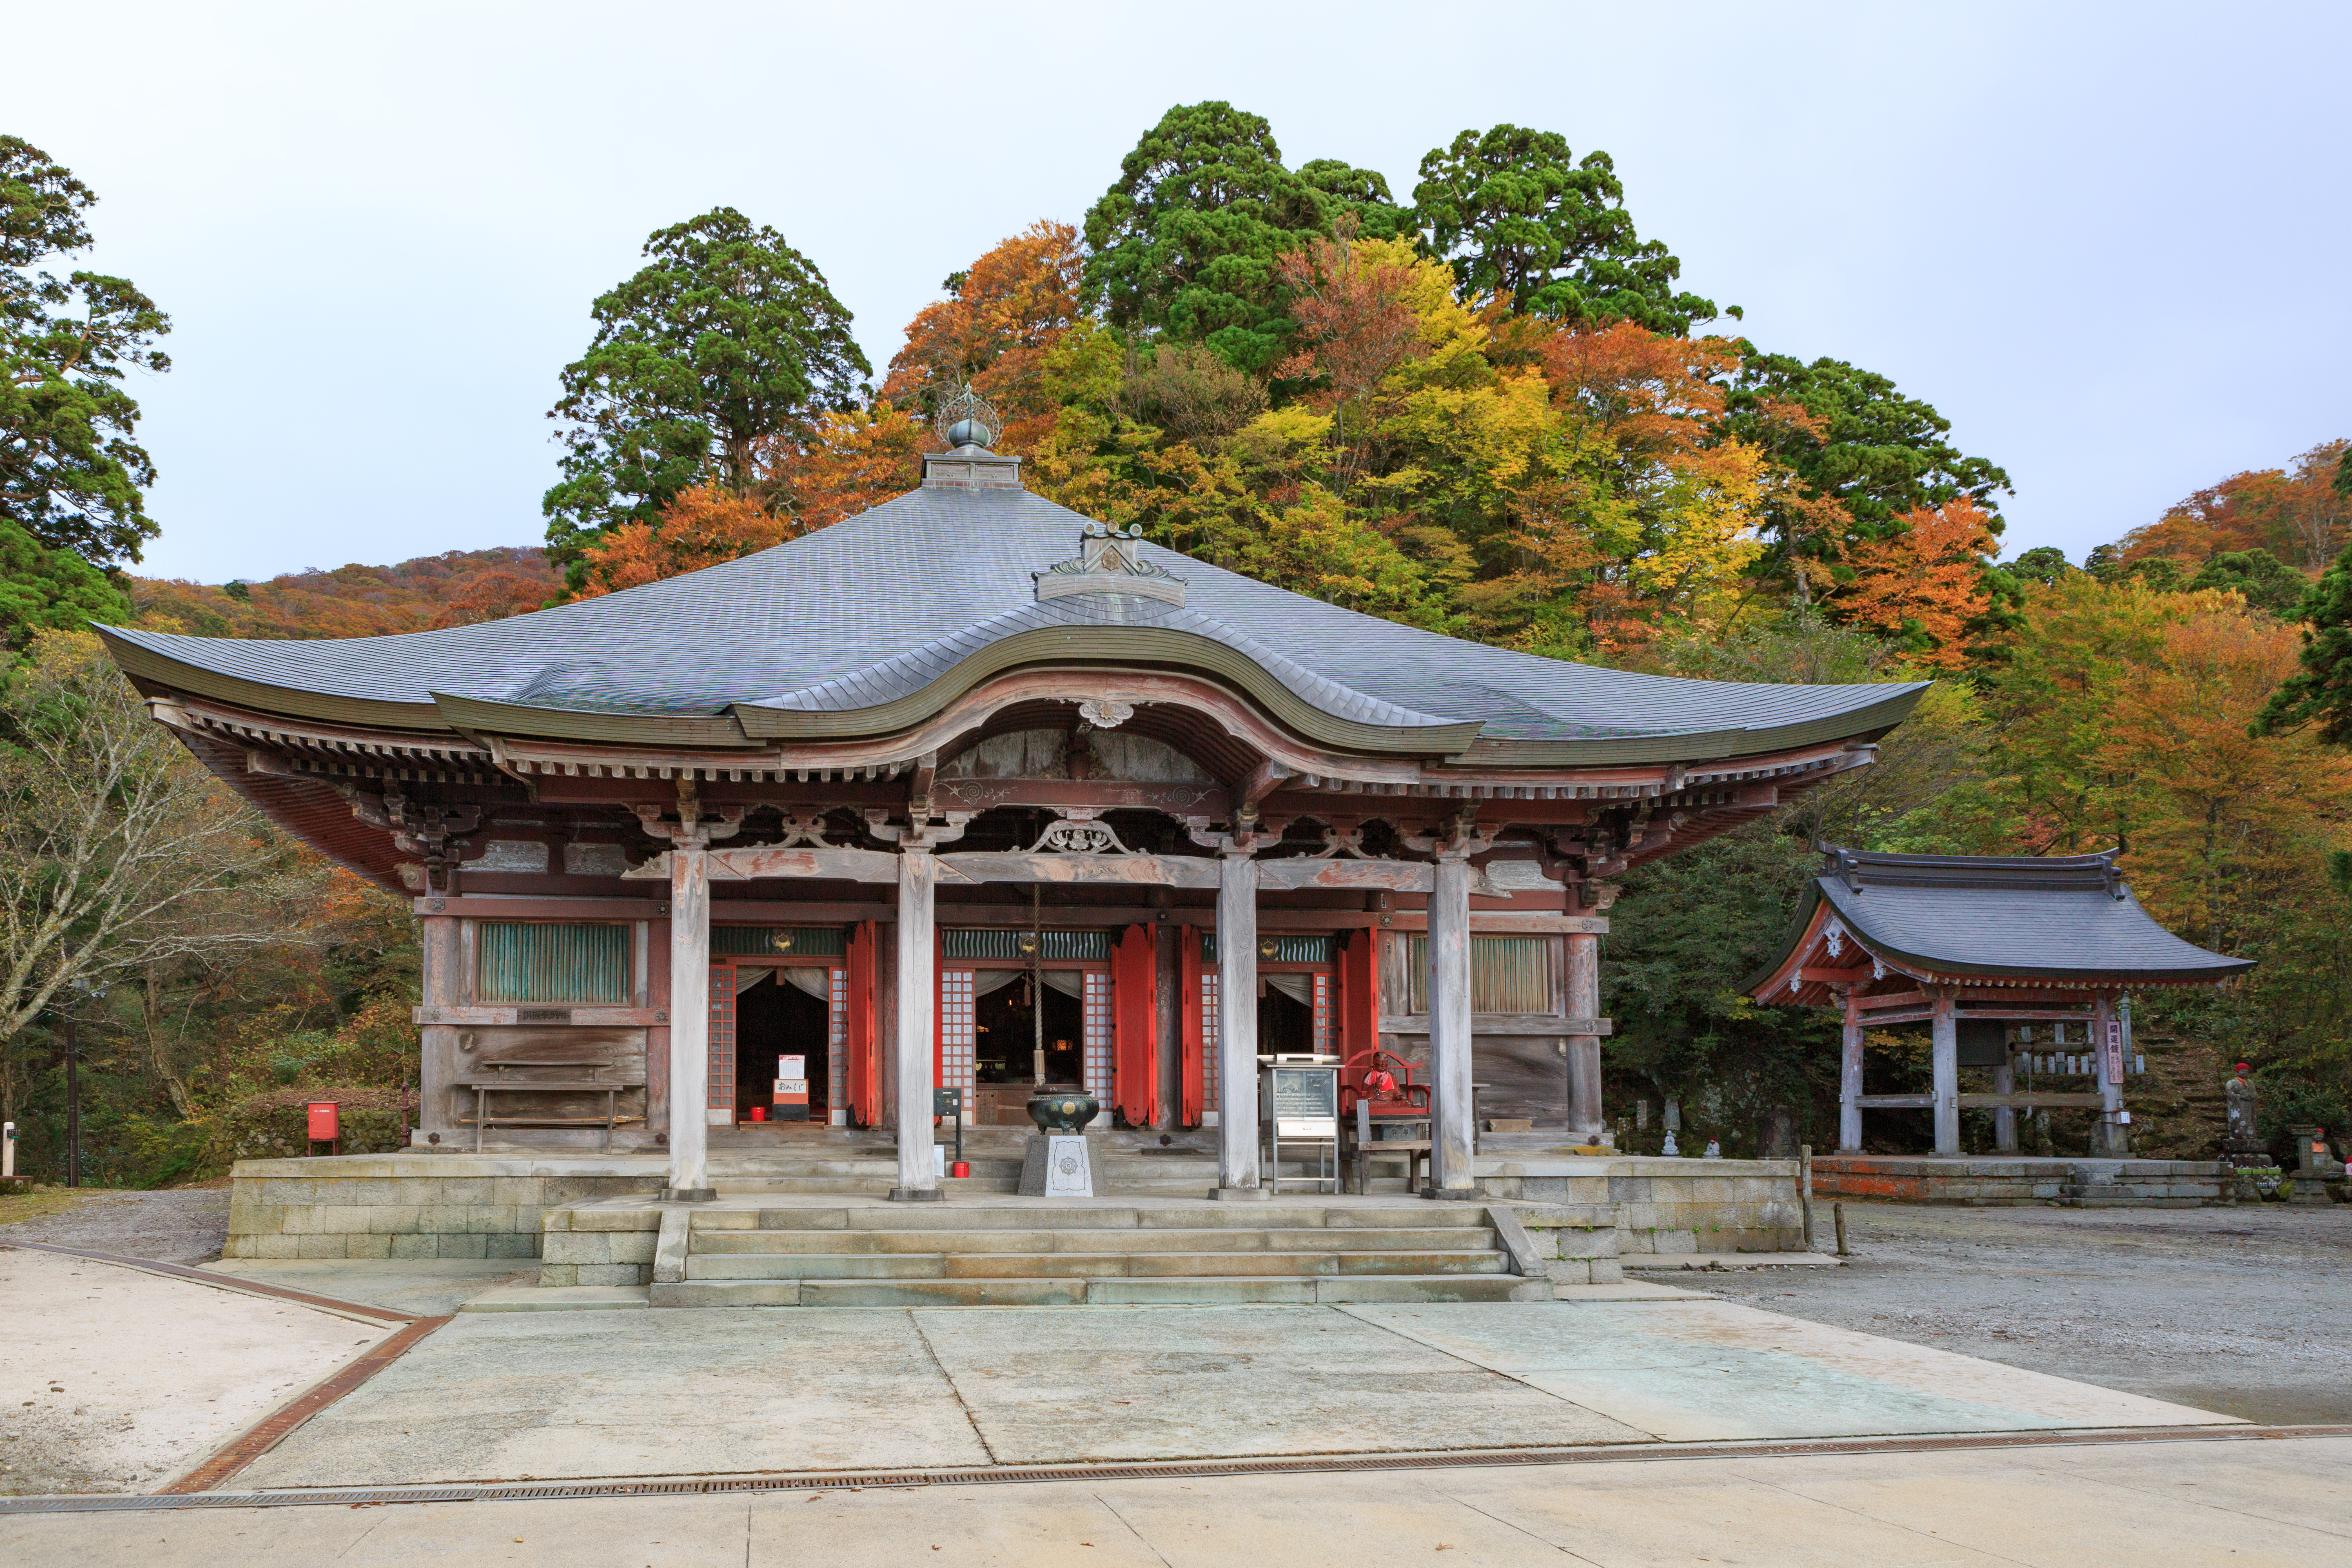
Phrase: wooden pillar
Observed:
(1585, 1115)
(1135, 1024)
(1451, 1134)
(1168, 1019)
(441, 975)
(1850, 1079)
(1945, 1044)
(2108, 1138)
(917, 1025)
(2004, 1117)
(689, 1026)
(1238, 1170)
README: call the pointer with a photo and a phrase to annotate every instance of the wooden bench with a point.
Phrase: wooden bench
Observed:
(500, 1079)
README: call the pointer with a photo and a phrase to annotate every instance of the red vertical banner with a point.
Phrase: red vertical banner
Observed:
(722, 1082)
(1360, 1003)
(865, 1063)
(1135, 1024)
(1189, 967)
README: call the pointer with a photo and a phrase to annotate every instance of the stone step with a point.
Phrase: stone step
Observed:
(1335, 1239)
(1262, 1215)
(1090, 1266)
(876, 1187)
(1073, 1292)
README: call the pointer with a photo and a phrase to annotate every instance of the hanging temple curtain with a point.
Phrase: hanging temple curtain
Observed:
(1299, 988)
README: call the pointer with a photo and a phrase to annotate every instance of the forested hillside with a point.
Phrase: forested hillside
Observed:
(454, 589)
(1490, 407)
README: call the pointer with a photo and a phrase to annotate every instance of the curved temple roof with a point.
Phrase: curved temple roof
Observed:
(875, 624)
(2063, 920)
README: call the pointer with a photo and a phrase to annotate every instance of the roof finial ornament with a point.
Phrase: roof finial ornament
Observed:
(966, 419)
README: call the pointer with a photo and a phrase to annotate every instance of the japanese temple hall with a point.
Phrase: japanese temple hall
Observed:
(970, 791)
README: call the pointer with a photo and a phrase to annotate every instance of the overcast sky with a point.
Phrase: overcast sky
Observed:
(2109, 243)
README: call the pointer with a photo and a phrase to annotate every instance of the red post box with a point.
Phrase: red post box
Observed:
(326, 1122)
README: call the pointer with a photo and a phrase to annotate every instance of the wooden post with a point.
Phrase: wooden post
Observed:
(2106, 1050)
(2004, 1117)
(440, 961)
(1237, 1172)
(1945, 1044)
(1850, 1079)
(1451, 1134)
(689, 1026)
(1585, 1120)
(916, 1024)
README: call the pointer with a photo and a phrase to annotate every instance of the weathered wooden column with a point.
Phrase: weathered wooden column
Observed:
(689, 1026)
(1945, 1045)
(2004, 1117)
(2106, 1049)
(1850, 1079)
(918, 1180)
(1584, 1111)
(1237, 1128)
(1450, 1105)
(441, 964)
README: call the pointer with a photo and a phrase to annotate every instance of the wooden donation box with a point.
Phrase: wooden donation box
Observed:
(1298, 1106)
(791, 1089)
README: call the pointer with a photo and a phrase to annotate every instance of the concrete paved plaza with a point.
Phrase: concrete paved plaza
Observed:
(674, 1391)
(2154, 1505)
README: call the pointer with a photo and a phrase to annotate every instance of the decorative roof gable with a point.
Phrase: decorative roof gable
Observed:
(1109, 561)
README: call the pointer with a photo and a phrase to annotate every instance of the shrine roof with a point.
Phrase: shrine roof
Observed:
(880, 620)
(2026, 921)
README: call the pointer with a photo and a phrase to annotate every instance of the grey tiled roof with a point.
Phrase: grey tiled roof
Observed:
(873, 608)
(2042, 916)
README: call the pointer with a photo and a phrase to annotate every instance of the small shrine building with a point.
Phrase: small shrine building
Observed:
(1985, 951)
(970, 790)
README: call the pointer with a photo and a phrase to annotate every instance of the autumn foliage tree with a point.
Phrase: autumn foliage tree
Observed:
(1924, 587)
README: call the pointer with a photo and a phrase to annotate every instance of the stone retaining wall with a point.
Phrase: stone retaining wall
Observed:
(414, 1206)
(2012, 1181)
(1661, 1206)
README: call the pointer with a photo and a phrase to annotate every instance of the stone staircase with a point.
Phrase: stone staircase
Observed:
(871, 1174)
(741, 1253)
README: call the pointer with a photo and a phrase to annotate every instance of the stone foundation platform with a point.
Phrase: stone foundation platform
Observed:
(2011, 1180)
(420, 1204)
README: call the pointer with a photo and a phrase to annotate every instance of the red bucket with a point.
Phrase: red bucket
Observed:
(759, 1113)
(960, 1168)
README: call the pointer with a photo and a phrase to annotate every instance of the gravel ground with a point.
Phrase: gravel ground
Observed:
(2246, 1311)
(181, 1226)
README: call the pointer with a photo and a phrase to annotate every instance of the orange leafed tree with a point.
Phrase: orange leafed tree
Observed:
(493, 596)
(2226, 822)
(857, 460)
(702, 527)
(1011, 307)
(1922, 587)
(2296, 514)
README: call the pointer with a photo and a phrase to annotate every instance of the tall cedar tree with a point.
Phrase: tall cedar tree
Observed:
(1865, 457)
(1185, 243)
(1522, 218)
(70, 474)
(730, 338)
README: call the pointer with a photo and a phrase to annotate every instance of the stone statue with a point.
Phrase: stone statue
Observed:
(2244, 1104)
